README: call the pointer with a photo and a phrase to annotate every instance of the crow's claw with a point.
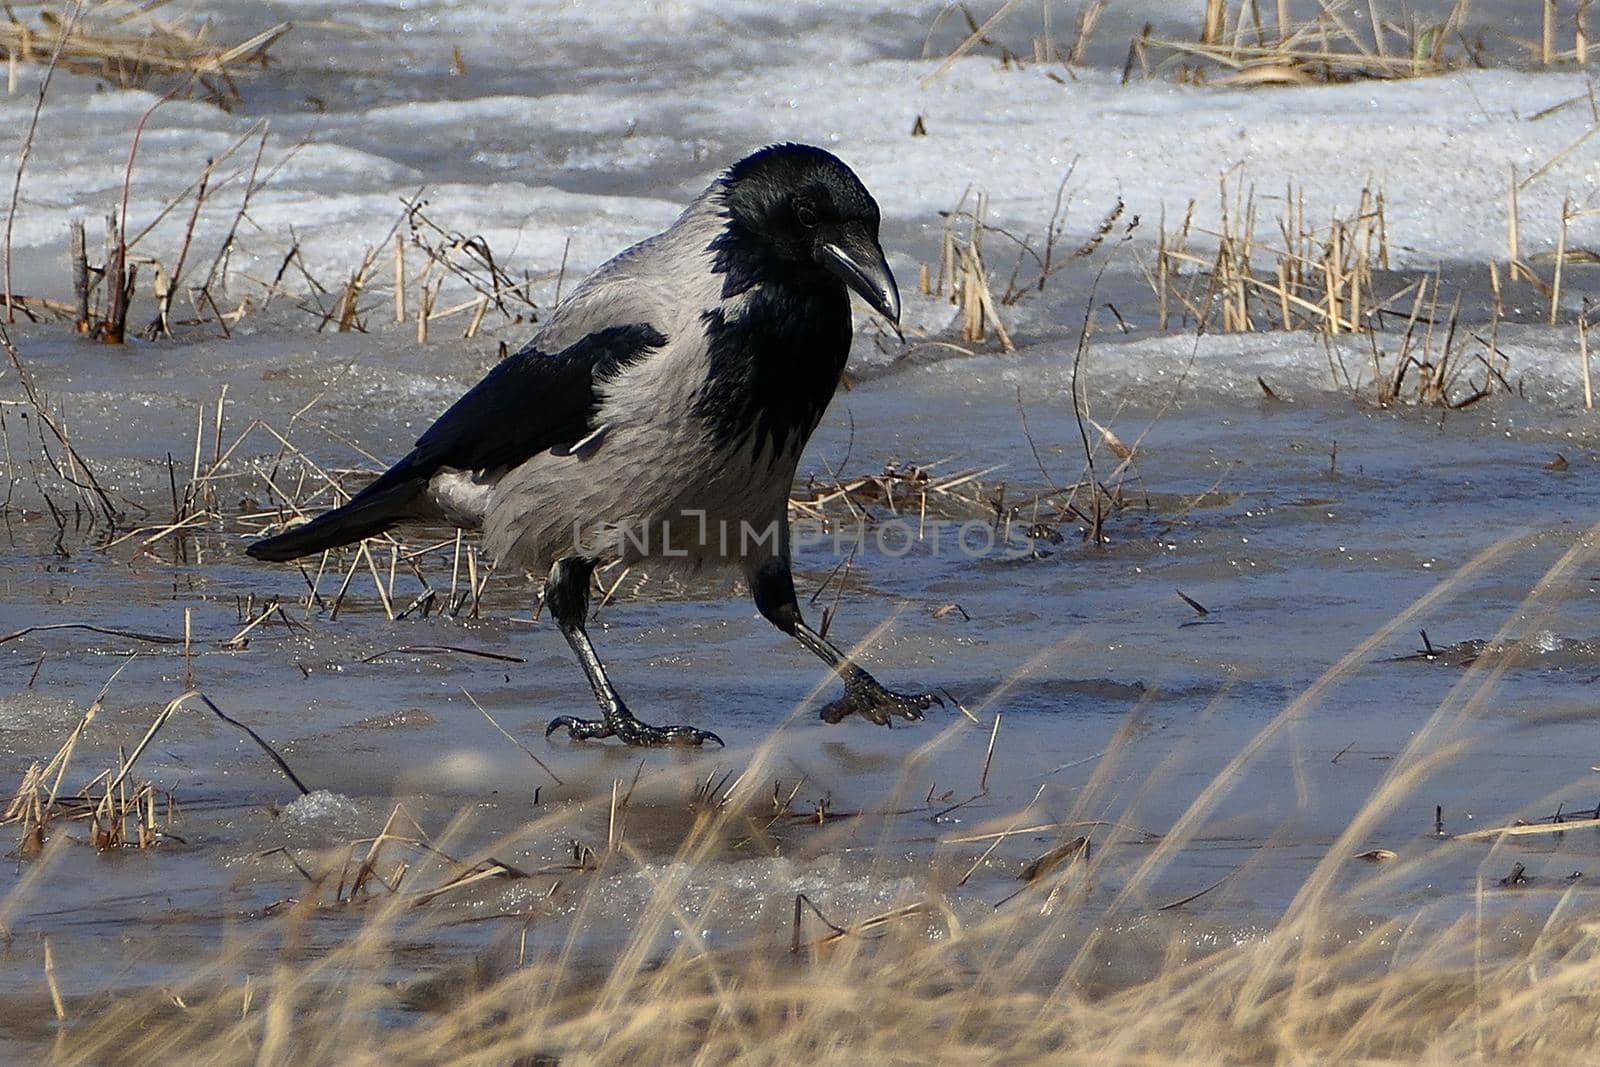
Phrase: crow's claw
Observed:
(631, 731)
(865, 697)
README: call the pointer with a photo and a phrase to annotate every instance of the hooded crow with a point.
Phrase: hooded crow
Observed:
(658, 416)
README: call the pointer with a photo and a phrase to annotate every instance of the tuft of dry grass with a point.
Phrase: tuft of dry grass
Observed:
(1436, 357)
(109, 802)
(1316, 278)
(962, 276)
(1327, 279)
(1248, 43)
(1342, 41)
(1346, 41)
(112, 800)
(131, 46)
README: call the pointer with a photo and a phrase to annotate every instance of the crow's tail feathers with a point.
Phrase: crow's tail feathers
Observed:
(370, 512)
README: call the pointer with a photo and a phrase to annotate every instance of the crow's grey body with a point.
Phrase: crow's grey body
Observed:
(659, 414)
(654, 473)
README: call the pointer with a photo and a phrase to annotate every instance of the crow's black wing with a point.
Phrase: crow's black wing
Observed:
(529, 403)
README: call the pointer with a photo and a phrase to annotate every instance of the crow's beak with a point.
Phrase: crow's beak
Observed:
(856, 258)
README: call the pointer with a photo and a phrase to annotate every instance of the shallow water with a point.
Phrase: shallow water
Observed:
(1302, 523)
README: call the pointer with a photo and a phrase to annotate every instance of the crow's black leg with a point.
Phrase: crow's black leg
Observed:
(566, 594)
(772, 584)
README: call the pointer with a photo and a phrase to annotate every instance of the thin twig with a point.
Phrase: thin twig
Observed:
(27, 145)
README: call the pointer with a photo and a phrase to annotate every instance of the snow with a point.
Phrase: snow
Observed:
(1442, 149)
(562, 140)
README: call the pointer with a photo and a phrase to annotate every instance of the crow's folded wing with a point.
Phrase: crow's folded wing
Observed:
(529, 403)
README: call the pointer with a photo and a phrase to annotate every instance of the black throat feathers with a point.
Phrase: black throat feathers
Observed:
(774, 364)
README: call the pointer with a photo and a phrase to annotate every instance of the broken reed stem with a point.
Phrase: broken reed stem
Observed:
(365, 553)
(1215, 28)
(56, 1001)
(1513, 239)
(111, 282)
(988, 756)
(119, 273)
(80, 277)
(478, 313)
(425, 301)
(1583, 356)
(1561, 258)
(399, 278)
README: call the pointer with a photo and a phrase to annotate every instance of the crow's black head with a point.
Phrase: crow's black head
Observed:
(797, 210)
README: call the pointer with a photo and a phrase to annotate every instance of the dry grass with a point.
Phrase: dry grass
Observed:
(1238, 45)
(1262, 43)
(900, 489)
(131, 46)
(937, 976)
(1331, 280)
(963, 279)
(962, 276)
(109, 802)
(114, 799)
(456, 265)
(1315, 277)
(143, 51)
(1435, 358)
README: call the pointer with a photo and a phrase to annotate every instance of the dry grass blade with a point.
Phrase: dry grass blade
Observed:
(838, 933)
(1526, 829)
(1049, 861)
(489, 869)
(1196, 895)
(509, 737)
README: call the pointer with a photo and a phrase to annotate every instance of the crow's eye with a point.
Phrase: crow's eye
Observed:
(806, 212)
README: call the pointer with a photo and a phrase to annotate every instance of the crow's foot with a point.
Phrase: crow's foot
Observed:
(865, 697)
(631, 731)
